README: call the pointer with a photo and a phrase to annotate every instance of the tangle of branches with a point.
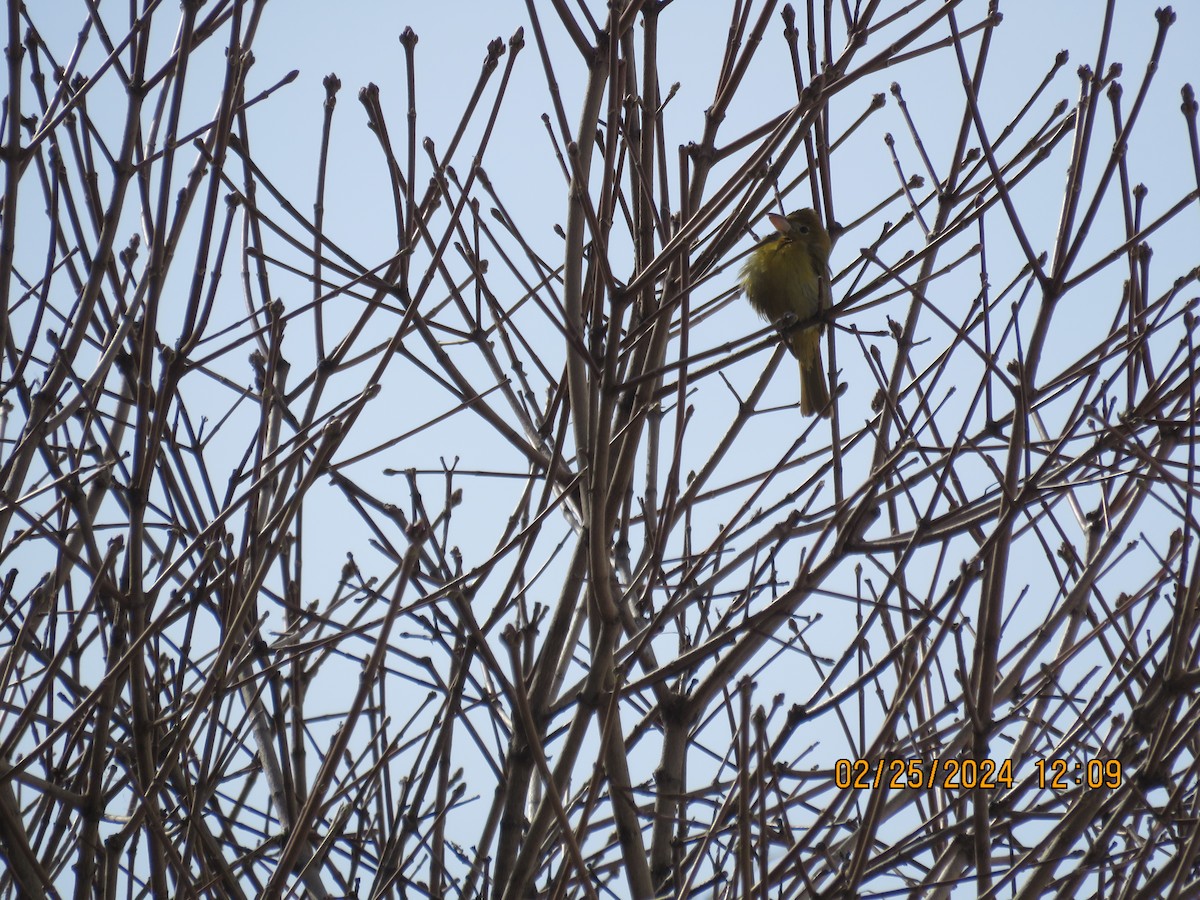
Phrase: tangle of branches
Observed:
(504, 564)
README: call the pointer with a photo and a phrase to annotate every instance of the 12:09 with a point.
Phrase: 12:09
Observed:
(1061, 774)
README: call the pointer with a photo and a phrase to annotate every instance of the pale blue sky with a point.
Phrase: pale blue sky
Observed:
(358, 42)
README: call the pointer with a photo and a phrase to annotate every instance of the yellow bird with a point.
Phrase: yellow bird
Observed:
(786, 280)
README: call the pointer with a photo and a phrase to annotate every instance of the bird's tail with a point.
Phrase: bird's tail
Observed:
(814, 391)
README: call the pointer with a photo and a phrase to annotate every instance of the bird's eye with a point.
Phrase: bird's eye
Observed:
(804, 229)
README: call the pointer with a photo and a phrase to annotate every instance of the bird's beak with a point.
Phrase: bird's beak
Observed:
(782, 225)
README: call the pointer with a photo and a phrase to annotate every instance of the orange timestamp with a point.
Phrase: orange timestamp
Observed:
(972, 774)
(1061, 774)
